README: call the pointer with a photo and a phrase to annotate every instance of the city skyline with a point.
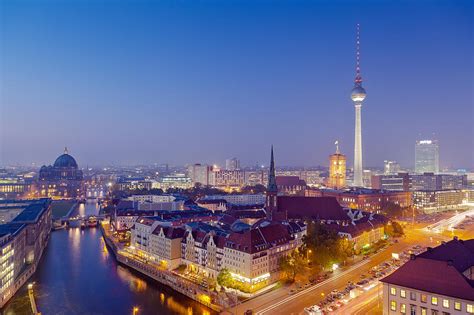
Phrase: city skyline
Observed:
(174, 90)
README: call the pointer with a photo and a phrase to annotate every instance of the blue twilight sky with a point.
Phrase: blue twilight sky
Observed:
(200, 81)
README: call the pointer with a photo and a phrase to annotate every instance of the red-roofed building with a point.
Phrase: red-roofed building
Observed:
(438, 281)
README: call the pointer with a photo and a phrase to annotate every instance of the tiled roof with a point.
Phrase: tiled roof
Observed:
(289, 181)
(258, 239)
(460, 252)
(145, 221)
(316, 208)
(368, 222)
(439, 270)
(170, 231)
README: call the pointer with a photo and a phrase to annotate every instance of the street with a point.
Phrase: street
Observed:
(280, 302)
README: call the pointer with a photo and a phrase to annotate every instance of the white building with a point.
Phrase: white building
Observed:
(246, 199)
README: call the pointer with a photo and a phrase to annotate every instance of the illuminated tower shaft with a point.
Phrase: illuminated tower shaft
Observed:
(358, 181)
(358, 95)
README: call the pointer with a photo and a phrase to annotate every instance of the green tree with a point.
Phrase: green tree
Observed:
(325, 245)
(224, 278)
(394, 229)
(291, 265)
(392, 210)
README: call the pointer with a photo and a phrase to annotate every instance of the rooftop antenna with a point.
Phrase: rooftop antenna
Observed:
(358, 78)
(337, 146)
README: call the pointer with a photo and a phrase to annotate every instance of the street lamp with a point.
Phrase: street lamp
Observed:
(135, 310)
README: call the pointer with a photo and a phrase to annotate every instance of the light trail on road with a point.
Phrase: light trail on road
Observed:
(296, 295)
(450, 223)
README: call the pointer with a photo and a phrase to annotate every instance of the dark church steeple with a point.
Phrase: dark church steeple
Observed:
(272, 186)
(271, 206)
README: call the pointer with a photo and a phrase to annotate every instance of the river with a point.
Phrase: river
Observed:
(78, 275)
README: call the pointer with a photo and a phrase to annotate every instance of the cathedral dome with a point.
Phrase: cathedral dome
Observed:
(65, 160)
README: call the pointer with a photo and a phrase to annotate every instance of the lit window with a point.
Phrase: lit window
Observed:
(403, 308)
(393, 291)
(393, 305)
(423, 311)
(457, 306)
(403, 293)
(423, 298)
(434, 300)
(445, 303)
(470, 308)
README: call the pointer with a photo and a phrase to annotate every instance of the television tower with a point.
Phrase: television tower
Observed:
(358, 95)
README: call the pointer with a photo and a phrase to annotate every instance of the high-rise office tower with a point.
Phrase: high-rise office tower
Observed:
(427, 156)
(337, 169)
(232, 164)
(358, 95)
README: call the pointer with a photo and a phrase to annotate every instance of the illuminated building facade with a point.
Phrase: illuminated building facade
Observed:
(371, 200)
(427, 156)
(337, 170)
(63, 179)
(430, 201)
(22, 242)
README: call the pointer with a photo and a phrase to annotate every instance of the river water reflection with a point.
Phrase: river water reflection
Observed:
(78, 275)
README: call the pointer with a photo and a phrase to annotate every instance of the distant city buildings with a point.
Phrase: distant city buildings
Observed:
(199, 174)
(439, 281)
(392, 182)
(232, 164)
(391, 167)
(413, 182)
(133, 183)
(427, 156)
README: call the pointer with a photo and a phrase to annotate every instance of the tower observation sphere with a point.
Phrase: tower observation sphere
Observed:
(358, 93)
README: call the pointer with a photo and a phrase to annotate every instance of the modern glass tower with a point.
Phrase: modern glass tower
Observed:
(427, 156)
(358, 95)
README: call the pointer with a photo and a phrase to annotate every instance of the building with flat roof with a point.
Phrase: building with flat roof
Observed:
(430, 201)
(372, 200)
(22, 242)
(427, 156)
(438, 281)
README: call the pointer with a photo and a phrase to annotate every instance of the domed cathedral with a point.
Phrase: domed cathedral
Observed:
(63, 179)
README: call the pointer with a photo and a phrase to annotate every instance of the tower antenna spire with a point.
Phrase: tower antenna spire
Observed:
(358, 78)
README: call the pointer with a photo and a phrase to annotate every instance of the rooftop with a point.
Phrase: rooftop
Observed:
(10, 228)
(316, 208)
(32, 211)
(450, 260)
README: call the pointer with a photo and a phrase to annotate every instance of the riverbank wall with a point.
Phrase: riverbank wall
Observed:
(167, 278)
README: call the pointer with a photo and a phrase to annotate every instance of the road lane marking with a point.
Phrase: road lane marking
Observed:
(296, 295)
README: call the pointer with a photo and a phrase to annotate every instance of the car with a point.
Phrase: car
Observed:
(248, 312)
(292, 291)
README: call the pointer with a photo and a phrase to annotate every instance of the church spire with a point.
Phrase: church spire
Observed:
(272, 186)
